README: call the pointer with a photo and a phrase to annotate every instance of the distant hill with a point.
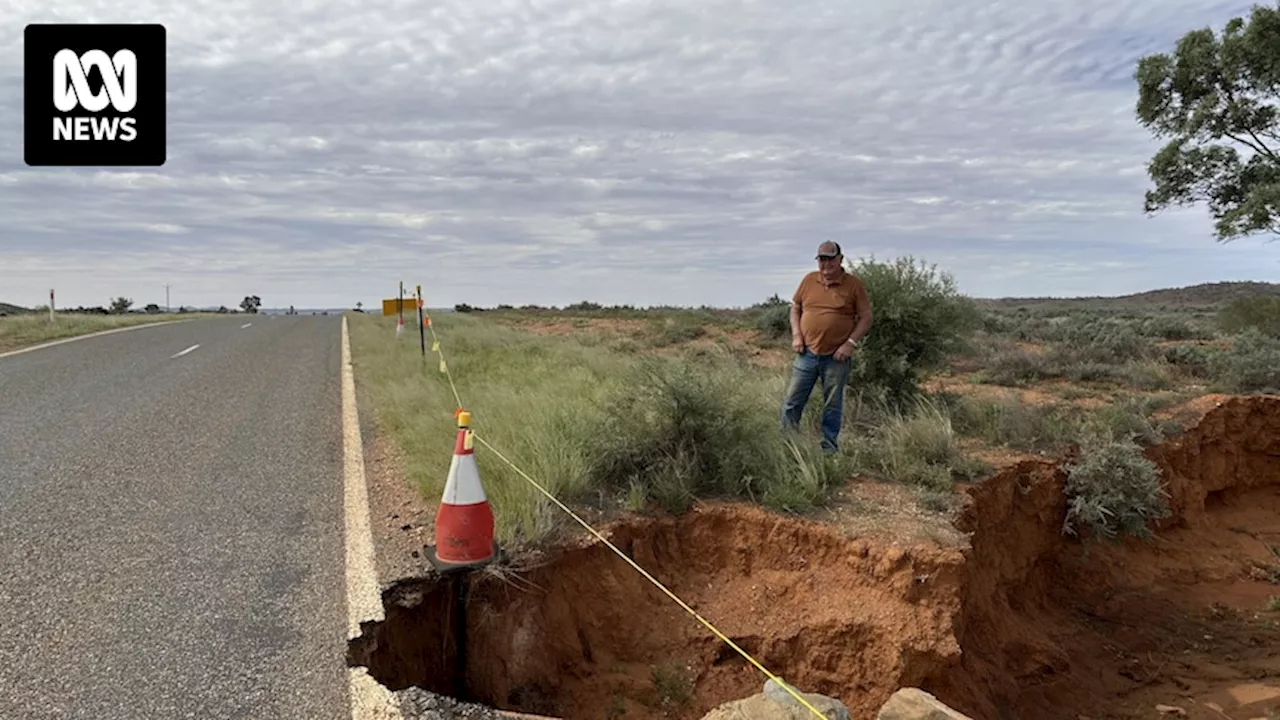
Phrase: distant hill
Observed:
(1203, 297)
(1206, 296)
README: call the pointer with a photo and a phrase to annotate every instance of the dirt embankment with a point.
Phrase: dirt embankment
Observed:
(1025, 623)
(1053, 628)
(585, 635)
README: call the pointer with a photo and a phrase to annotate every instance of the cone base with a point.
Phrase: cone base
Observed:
(445, 566)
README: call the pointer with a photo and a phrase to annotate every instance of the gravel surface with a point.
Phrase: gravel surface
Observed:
(418, 704)
(171, 528)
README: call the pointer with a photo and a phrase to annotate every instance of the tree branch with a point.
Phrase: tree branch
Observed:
(1266, 150)
(1260, 148)
(1234, 105)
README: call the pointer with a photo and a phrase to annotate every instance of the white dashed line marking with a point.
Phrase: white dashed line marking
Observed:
(245, 325)
(184, 352)
(64, 341)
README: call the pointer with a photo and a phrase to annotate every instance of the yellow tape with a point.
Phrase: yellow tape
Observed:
(478, 438)
(435, 347)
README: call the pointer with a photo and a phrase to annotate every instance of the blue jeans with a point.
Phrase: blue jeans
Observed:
(806, 370)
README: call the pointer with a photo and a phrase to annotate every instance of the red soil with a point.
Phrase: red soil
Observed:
(1023, 623)
(1055, 629)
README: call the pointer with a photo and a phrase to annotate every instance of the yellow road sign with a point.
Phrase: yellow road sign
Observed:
(392, 306)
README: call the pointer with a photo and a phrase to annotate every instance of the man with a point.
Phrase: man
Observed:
(830, 314)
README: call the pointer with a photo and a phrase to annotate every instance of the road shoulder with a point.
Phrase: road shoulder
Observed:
(400, 518)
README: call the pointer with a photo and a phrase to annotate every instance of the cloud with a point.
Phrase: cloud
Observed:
(647, 152)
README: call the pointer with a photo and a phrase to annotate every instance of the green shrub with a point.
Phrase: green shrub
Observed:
(1170, 327)
(1251, 364)
(1113, 490)
(1007, 364)
(774, 322)
(999, 324)
(1129, 419)
(772, 318)
(1053, 427)
(1013, 424)
(1034, 328)
(1259, 313)
(1193, 360)
(1101, 341)
(919, 320)
(1148, 375)
(673, 432)
(675, 330)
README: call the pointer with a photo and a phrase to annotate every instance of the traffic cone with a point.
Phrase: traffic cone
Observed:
(464, 523)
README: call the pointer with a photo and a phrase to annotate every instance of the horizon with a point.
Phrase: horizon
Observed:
(376, 305)
(697, 158)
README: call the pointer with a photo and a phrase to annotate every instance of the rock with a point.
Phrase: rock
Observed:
(418, 704)
(831, 707)
(775, 703)
(916, 704)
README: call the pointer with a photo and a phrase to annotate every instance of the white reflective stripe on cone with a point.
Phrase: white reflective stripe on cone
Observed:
(463, 486)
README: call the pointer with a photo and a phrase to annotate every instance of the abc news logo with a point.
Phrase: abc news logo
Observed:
(107, 105)
(71, 90)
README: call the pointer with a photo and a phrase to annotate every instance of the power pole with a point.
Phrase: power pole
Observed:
(166, 298)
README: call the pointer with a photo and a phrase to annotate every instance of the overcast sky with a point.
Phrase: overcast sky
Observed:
(622, 152)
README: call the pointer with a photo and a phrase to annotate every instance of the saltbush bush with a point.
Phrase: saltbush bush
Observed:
(1259, 313)
(920, 319)
(1113, 490)
(1250, 364)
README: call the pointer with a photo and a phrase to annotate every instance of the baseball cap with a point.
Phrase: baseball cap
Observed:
(828, 249)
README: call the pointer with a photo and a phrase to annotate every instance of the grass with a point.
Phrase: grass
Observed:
(919, 446)
(19, 331)
(652, 409)
(589, 424)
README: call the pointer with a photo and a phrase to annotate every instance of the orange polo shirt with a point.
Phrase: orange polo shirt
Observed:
(828, 314)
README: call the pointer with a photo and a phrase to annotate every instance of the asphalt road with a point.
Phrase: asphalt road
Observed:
(171, 528)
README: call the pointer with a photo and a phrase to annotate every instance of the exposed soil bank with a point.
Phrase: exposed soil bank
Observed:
(1055, 629)
(1025, 623)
